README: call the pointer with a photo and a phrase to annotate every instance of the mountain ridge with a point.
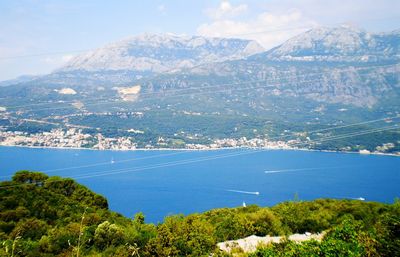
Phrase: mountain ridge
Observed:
(161, 53)
(342, 43)
(255, 97)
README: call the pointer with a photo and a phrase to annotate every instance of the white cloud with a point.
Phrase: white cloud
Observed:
(161, 8)
(49, 60)
(58, 60)
(226, 9)
(269, 29)
(67, 58)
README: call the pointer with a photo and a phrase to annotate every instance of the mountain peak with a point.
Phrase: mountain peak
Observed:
(157, 53)
(156, 37)
(342, 43)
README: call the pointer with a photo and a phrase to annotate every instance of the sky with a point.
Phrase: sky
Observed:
(38, 36)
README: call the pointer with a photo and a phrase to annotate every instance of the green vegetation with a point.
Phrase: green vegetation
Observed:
(202, 118)
(53, 216)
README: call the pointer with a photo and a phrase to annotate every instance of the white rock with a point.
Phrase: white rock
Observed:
(66, 91)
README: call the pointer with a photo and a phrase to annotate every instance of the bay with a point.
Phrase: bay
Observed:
(165, 182)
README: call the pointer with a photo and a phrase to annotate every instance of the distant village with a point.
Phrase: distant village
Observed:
(75, 138)
(70, 138)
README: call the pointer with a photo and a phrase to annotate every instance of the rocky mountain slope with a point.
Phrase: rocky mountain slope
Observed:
(340, 44)
(198, 89)
(147, 55)
(156, 53)
(330, 65)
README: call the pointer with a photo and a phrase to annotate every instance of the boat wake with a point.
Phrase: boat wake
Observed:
(286, 170)
(357, 198)
(243, 192)
(303, 169)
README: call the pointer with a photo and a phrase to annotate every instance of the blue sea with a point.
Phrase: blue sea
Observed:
(160, 183)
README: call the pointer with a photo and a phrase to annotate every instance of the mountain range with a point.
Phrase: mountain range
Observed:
(321, 77)
(150, 55)
(162, 53)
(340, 44)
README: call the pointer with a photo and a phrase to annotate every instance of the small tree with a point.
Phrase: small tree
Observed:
(139, 218)
(25, 176)
(107, 234)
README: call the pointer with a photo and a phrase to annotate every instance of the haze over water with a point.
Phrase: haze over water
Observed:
(160, 183)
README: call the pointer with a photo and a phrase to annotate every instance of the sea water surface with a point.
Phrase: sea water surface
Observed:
(160, 183)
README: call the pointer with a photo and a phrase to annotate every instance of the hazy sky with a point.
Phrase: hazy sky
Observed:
(37, 36)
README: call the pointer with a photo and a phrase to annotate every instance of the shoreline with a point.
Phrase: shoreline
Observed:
(196, 150)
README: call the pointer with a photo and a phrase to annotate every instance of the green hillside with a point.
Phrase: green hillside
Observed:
(53, 216)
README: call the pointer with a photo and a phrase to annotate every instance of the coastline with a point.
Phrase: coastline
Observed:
(206, 149)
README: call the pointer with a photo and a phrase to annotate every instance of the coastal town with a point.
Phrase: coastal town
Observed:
(76, 138)
(70, 138)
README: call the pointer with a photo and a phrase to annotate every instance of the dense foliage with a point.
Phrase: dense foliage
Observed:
(53, 216)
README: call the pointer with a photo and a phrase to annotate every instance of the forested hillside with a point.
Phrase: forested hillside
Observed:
(53, 216)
